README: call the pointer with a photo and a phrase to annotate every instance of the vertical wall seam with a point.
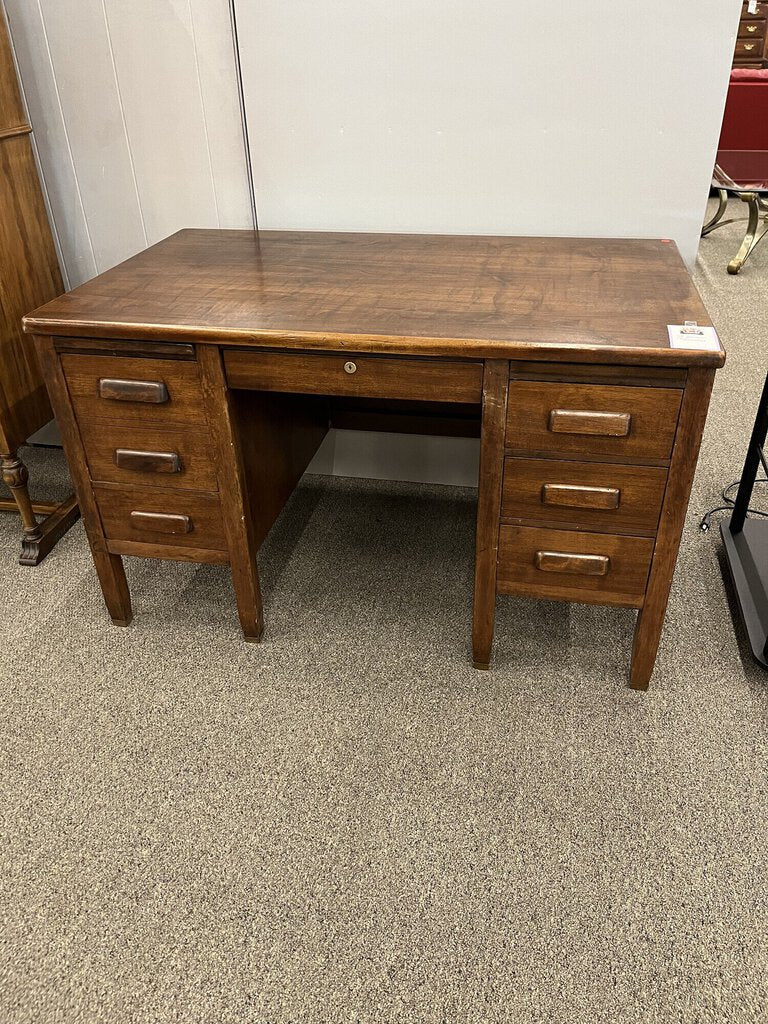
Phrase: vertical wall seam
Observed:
(202, 108)
(243, 114)
(66, 135)
(122, 118)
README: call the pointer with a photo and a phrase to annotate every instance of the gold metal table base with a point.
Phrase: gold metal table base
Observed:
(758, 210)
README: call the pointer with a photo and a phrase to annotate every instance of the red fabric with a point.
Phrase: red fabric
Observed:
(749, 75)
(745, 122)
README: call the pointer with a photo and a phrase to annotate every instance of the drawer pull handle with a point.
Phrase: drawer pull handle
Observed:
(147, 462)
(581, 565)
(574, 496)
(749, 46)
(154, 392)
(161, 522)
(599, 424)
(751, 28)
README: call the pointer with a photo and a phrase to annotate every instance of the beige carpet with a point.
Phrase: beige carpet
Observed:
(347, 823)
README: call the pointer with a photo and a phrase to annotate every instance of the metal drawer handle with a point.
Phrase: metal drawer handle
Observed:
(575, 496)
(751, 28)
(581, 565)
(161, 522)
(598, 424)
(749, 46)
(147, 462)
(153, 392)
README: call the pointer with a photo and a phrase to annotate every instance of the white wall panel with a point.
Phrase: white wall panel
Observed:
(153, 46)
(214, 49)
(90, 102)
(511, 116)
(54, 153)
(135, 108)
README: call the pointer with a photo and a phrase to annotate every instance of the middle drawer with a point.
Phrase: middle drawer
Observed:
(134, 454)
(584, 495)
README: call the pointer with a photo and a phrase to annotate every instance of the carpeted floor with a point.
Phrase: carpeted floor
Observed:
(347, 823)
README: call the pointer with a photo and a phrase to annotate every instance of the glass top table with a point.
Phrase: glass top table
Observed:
(742, 173)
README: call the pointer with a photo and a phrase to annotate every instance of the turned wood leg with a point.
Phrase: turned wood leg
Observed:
(16, 477)
(495, 389)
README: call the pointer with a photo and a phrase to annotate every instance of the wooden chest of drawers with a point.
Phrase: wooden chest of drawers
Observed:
(752, 37)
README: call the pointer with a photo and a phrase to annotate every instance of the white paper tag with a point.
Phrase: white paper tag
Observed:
(752, 7)
(690, 335)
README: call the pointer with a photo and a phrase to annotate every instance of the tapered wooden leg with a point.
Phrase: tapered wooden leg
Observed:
(236, 514)
(114, 586)
(109, 567)
(495, 390)
(650, 619)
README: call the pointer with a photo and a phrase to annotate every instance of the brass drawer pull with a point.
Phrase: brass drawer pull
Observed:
(599, 424)
(751, 28)
(582, 565)
(153, 392)
(576, 496)
(147, 462)
(161, 522)
(748, 46)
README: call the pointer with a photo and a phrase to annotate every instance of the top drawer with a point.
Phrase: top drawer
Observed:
(364, 376)
(759, 9)
(592, 419)
(118, 389)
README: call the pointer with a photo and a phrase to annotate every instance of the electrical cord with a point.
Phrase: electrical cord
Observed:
(705, 524)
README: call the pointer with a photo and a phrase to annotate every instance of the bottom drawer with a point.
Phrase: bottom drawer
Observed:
(597, 568)
(170, 518)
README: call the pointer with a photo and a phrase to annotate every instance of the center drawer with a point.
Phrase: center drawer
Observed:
(584, 495)
(592, 419)
(365, 376)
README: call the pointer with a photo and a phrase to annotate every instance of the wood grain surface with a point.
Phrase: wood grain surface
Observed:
(481, 297)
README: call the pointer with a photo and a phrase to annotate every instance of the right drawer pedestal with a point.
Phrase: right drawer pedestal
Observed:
(585, 474)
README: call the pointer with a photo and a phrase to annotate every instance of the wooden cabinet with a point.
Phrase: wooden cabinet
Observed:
(29, 275)
(752, 42)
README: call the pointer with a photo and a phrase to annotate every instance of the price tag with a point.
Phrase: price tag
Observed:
(690, 335)
(752, 7)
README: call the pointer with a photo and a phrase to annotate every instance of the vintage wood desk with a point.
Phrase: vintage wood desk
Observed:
(194, 382)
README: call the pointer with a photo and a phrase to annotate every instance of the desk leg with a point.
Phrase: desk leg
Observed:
(650, 619)
(236, 513)
(495, 391)
(109, 567)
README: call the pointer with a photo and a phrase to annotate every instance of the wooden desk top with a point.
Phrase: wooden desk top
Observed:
(588, 300)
